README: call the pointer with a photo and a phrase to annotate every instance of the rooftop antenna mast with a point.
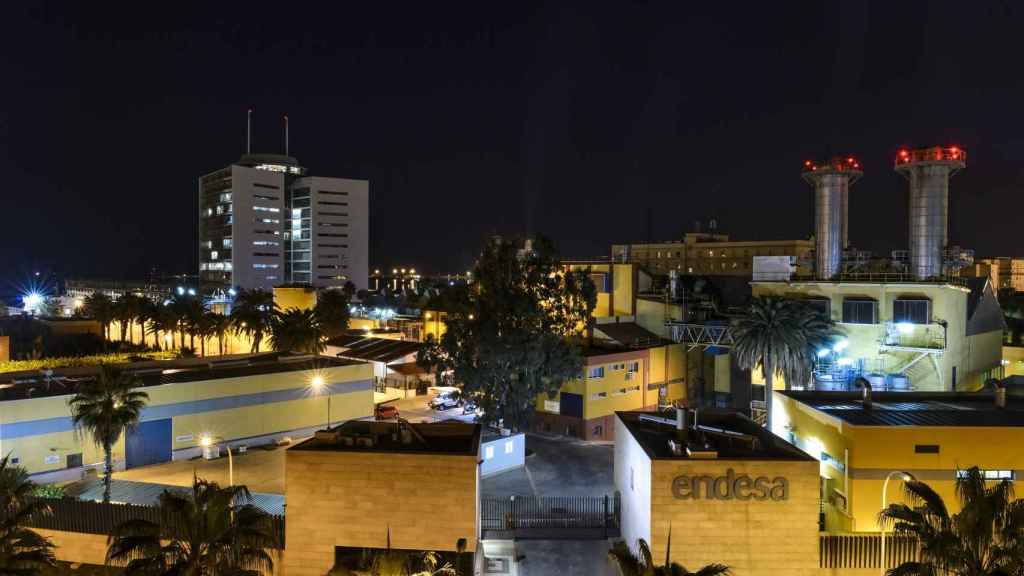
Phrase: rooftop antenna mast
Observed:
(285, 134)
(248, 132)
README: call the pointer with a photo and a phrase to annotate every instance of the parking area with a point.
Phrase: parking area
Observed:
(556, 466)
(416, 410)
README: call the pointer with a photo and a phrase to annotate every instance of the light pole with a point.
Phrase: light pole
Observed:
(206, 441)
(906, 477)
(320, 386)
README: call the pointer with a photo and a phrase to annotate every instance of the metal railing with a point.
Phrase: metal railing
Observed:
(865, 550)
(91, 517)
(550, 516)
(914, 336)
(695, 335)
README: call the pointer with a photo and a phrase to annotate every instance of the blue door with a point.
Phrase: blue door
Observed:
(148, 443)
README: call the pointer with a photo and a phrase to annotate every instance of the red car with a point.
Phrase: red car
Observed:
(386, 411)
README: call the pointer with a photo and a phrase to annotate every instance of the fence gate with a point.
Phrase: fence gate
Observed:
(565, 517)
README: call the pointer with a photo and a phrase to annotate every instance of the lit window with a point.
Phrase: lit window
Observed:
(213, 255)
(488, 452)
(265, 266)
(209, 211)
(510, 447)
(596, 372)
(265, 209)
(225, 197)
(226, 243)
(990, 474)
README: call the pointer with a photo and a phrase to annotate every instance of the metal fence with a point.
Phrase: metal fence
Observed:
(550, 516)
(91, 517)
(865, 550)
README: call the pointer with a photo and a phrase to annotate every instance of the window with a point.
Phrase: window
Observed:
(332, 193)
(267, 221)
(265, 243)
(334, 224)
(265, 209)
(822, 305)
(860, 311)
(265, 266)
(634, 366)
(332, 213)
(325, 235)
(991, 474)
(208, 244)
(598, 395)
(213, 254)
(510, 447)
(913, 311)
(926, 448)
(265, 197)
(326, 203)
(488, 452)
(261, 185)
(596, 372)
(225, 243)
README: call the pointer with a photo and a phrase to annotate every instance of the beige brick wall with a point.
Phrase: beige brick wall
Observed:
(755, 538)
(77, 547)
(352, 498)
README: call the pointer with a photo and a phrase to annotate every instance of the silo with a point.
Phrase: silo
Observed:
(928, 170)
(831, 181)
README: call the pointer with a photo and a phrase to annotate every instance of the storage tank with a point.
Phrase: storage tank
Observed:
(928, 170)
(831, 181)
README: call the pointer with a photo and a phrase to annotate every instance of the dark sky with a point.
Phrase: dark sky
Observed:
(593, 123)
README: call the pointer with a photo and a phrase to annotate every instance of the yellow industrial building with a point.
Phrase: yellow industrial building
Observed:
(904, 335)
(246, 399)
(710, 253)
(931, 435)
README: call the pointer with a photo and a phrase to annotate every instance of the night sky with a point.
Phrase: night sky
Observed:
(593, 123)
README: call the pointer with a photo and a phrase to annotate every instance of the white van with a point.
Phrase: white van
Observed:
(446, 397)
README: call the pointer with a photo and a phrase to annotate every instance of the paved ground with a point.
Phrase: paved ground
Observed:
(564, 558)
(415, 410)
(558, 467)
(259, 469)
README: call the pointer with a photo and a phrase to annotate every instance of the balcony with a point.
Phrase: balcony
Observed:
(909, 337)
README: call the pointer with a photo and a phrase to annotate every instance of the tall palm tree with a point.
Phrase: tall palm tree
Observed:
(252, 314)
(106, 408)
(220, 325)
(206, 532)
(99, 307)
(22, 551)
(123, 313)
(332, 311)
(631, 564)
(781, 335)
(163, 322)
(296, 330)
(985, 538)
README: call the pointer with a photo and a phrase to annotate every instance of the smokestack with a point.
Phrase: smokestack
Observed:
(866, 386)
(248, 132)
(929, 170)
(999, 389)
(831, 181)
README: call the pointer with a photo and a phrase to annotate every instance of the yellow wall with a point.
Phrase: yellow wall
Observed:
(301, 298)
(434, 324)
(651, 315)
(972, 356)
(1013, 358)
(623, 290)
(233, 423)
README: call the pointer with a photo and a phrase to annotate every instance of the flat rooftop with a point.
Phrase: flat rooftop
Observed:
(916, 408)
(725, 432)
(448, 438)
(62, 381)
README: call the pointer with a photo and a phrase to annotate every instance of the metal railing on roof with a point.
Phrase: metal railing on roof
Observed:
(881, 278)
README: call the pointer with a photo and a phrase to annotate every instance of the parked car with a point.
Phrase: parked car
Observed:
(469, 407)
(446, 400)
(386, 411)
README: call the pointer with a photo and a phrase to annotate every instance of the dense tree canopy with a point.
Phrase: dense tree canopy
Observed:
(512, 334)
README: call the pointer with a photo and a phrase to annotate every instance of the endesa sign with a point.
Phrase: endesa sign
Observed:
(730, 487)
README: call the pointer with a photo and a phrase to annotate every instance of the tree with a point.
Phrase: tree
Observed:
(296, 330)
(252, 314)
(985, 538)
(105, 408)
(515, 333)
(220, 325)
(163, 321)
(781, 335)
(99, 307)
(206, 532)
(22, 551)
(631, 564)
(332, 311)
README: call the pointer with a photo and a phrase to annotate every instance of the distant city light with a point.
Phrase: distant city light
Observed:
(231, 291)
(191, 291)
(181, 290)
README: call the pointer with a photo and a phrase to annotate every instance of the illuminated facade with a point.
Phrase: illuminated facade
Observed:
(1007, 273)
(263, 222)
(711, 254)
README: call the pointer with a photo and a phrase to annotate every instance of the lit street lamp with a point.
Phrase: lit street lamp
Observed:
(906, 477)
(206, 441)
(319, 386)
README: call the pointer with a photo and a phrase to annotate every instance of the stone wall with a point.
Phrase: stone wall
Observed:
(339, 498)
(755, 537)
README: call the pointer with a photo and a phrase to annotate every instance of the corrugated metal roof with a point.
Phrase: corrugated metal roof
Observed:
(916, 408)
(377, 349)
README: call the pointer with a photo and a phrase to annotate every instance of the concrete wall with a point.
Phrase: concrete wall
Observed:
(38, 431)
(501, 454)
(754, 538)
(339, 498)
(632, 475)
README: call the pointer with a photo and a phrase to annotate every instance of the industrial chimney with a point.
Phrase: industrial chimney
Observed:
(831, 181)
(928, 170)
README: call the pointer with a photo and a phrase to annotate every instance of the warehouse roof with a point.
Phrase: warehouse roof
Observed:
(35, 384)
(374, 349)
(916, 408)
(450, 437)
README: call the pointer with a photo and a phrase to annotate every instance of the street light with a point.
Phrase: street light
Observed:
(206, 441)
(319, 386)
(906, 477)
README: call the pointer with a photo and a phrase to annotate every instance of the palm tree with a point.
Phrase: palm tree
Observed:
(252, 314)
(22, 551)
(781, 335)
(162, 321)
(99, 307)
(985, 538)
(332, 311)
(296, 330)
(219, 325)
(208, 531)
(106, 408)
(631, 564)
